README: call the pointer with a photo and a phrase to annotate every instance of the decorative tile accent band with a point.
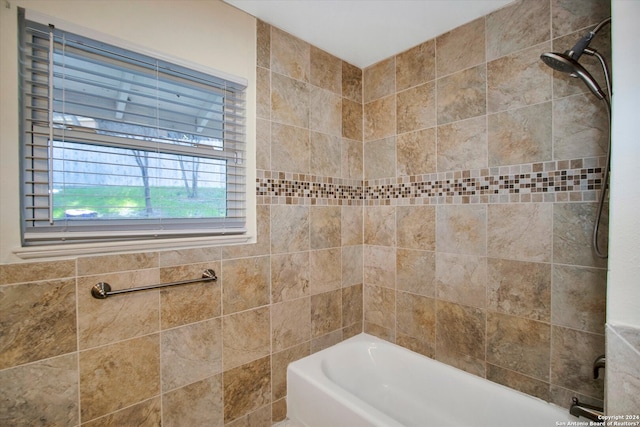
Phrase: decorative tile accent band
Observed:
(556, 181)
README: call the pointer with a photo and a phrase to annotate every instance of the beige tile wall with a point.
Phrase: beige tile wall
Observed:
(496, 279)
(386, 202)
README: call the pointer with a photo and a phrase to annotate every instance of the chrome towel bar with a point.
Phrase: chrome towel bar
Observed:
(102, 290)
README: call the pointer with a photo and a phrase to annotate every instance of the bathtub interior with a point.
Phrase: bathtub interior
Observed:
(388, 385)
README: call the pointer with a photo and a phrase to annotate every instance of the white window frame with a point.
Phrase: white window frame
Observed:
(144, 244)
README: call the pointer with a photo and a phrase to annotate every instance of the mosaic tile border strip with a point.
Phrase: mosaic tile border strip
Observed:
(556, 181)
(292, 188)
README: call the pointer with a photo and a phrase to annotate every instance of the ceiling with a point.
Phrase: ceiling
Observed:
(363, 32)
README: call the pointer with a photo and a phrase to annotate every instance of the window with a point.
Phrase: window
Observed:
(121, 146)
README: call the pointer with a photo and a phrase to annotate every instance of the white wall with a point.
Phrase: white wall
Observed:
(623, 294)
(210, 34)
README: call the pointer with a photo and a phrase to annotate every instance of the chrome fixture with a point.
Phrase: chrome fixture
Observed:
(597, 365)
(591, 412)
(567, 62)
(102, 290)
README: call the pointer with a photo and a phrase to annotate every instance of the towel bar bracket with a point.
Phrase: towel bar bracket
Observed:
(102, 290)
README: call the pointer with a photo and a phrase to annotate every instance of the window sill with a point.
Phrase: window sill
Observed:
(105, 248)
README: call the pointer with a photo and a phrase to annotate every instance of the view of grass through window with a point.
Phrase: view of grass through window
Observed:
(98, 182)
(129, 202)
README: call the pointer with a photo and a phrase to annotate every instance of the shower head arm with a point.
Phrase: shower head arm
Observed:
(580, 47)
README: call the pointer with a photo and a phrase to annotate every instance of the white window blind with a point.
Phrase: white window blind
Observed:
(119, 146)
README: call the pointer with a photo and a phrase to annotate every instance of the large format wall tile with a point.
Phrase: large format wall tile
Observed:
(351, 225)
(191, 353)
(351, 119)
(290, 323)
(328, 119)
(245, 284)
(190, 303)
(245, 336)
(289, 276)
(279, 364)
(416, 227)
(379, 306)
(246, 388)
(380, 266)
(518, 80)
(379, 80)
(289, 228)
(352, 265)
(105, 321)
(379, 158)
(520, 136)
(518, 344)
(462, 95)
(416, 152)
(289, 55)
(572, 234)
(460, 330)
(416, 317)
(352, 306)
(351, 82)
(197, 404)
(289, 101)
(416, 108)
(263, 94)
(324, 273)
(380, 118)
(520, 232)
(380, 225)
(178, 258)
(462, 145)
(515, 380)
(325, 154)
(580, 127)
(517, 26)
(578, 298)
(572, 356)
(461, 48)
(115, 263)
(290, 148)
(263, 44)
(416, 65)
(38, 321)
(352, 159)
(325, 228)
(263, 144)
(143, 414)
(119, 375)
(571, 15)
(416, 271)
(461, 279)
(462, 229)
(325, 71)
(41, 393)
(519, 288)
(326, 313)
(36, 271)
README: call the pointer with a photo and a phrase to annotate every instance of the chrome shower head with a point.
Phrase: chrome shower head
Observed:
(564, 63)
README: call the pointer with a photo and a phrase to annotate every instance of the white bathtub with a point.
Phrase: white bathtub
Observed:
(366, 381)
